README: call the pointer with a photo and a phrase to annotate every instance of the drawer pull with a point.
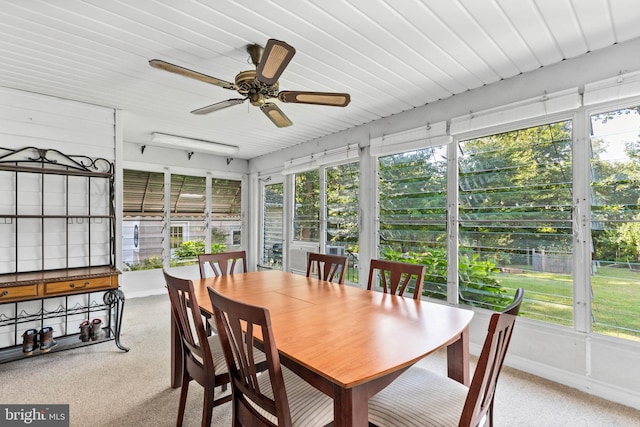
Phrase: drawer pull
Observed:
(84, 285)
(4, 293)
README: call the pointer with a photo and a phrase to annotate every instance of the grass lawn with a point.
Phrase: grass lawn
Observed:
(549, 297)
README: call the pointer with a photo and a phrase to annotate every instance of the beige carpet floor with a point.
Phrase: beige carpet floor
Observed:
(107, 387)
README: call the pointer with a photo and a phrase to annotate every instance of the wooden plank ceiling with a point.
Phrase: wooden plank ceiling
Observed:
(390, 55)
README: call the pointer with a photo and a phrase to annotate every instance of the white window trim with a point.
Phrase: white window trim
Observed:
(346, 154)
(525, 113)
(621, 87)
(410, 140)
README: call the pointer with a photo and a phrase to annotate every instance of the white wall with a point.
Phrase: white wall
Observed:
(73, 128)
(33, 120)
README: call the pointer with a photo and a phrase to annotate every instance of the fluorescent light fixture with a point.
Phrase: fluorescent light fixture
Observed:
(197, 145)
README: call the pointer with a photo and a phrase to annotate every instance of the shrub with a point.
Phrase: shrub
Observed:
(479, 284)
(147, 264)
(190, 249)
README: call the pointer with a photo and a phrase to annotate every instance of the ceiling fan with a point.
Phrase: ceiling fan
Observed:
(261, 84)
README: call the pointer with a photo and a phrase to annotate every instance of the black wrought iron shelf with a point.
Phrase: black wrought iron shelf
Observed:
(67, 342)
(112, 304)
(26, 281)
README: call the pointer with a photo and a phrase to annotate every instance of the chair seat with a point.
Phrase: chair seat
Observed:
(403, 402)
(309, 407)
(219, 362)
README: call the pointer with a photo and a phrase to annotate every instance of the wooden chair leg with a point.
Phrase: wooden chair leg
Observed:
(183, 398)
(489, 422)
(207, 407)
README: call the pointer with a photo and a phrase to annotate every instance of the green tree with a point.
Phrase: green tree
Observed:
(307, 208)
(509, 179)
(616, 193)
(342, 184)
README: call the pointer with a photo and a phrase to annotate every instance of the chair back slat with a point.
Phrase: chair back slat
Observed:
(221, 263)
(330, 268)
(395, 277)
(479, 402)
(238, 325)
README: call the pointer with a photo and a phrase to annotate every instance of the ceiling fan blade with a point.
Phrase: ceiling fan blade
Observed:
(219, 106)
(318, 98)
(276, 115)
(275, 58)
(166, 66)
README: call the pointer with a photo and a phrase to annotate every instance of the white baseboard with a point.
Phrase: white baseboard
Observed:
(145, 293)
(583, 383)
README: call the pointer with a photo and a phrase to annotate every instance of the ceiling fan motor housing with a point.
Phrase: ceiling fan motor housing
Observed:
(257, 91)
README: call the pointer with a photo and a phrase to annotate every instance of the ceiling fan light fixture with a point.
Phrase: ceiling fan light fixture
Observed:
(276, 115)
(198, 145)
(275, 58)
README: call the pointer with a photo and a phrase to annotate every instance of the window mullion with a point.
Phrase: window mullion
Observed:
(581, 222)
(323, 209)
(207, 213)
(452, 223)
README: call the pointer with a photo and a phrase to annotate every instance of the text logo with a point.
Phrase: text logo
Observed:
(34, 415)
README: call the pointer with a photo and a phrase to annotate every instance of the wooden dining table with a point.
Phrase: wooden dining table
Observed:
(348, 342)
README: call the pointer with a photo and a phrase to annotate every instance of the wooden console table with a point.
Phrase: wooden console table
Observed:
(21, 288)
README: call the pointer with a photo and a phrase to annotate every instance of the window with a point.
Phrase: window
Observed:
(191, 226)
(615, 222)
(177, 236)
(143, 219)
(515, 204)
(306, 218)
(188, 201)
(342, 186)
(412, 190)
(225, 218)
(272, 218)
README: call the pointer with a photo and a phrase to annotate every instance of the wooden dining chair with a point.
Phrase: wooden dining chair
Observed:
(222, 263)
(203, 358)
(420, 397)
(330, 268)
(279, 398)
(395, 277)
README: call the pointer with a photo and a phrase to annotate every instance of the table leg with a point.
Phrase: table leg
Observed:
(176, 355)
(458, 358)
(351, 407)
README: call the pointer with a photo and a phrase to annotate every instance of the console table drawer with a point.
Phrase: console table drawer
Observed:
(12, 293)
(79, 285)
